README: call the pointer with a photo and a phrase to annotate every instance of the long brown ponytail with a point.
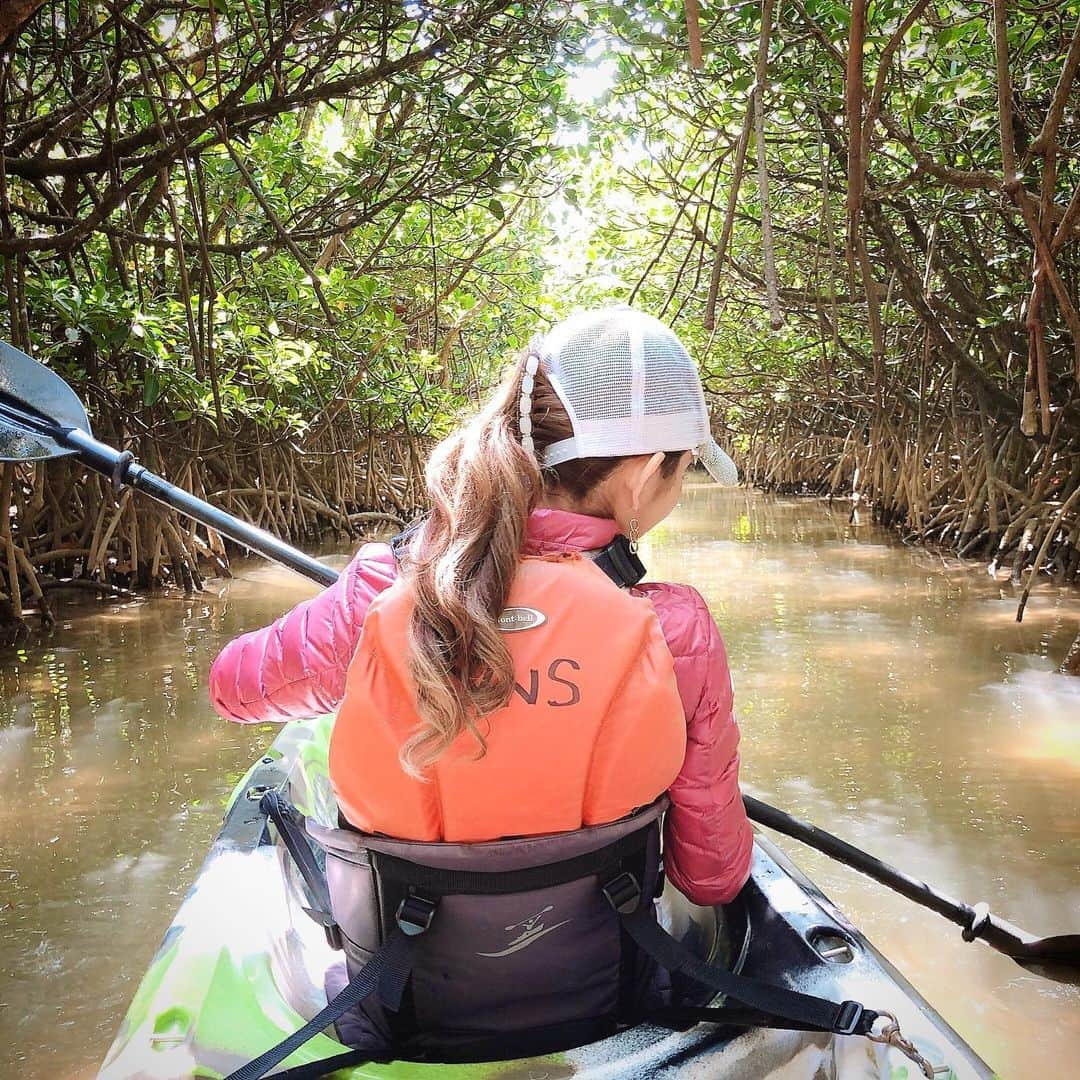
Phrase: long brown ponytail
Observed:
(482, 485)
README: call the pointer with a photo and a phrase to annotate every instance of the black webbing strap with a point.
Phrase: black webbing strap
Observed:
(314, 1070)
(399, 544)
(620, 562)
(818, 1014)
(387, 971)
(502, 882)
(290, 826)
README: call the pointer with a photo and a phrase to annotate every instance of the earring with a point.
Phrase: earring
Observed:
(633, 538)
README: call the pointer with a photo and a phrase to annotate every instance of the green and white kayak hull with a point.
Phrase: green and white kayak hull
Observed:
(242, 966)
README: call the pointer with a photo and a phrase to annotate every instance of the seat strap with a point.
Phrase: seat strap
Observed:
(314, 1070)
(289, 823)
(386, 972)
(808, 1012)
(682, 1017)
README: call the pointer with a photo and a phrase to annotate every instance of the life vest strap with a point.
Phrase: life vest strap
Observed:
(620, 562)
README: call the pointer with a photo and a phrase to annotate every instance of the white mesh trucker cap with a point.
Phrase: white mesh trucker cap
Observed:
(629, 387)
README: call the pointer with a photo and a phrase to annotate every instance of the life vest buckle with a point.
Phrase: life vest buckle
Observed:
(623, 893)
(415, 912)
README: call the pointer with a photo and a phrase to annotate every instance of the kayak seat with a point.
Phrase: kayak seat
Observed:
(310, 976)
(521, 952)
(517, 947)
(715, 934)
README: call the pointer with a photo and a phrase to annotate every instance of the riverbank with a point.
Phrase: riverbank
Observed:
(65, 530)
(856, 512)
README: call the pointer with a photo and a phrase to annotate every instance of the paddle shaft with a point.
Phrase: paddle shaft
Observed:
(995, 932)
(120, 467)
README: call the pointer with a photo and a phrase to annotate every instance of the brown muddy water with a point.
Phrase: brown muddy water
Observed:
(887, 694)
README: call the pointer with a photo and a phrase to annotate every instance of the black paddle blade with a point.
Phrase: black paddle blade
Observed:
(1056, 957)
(35, 403)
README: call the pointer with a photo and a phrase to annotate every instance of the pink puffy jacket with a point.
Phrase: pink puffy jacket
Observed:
(296, 667)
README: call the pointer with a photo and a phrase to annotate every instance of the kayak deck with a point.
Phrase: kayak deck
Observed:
(242, 966)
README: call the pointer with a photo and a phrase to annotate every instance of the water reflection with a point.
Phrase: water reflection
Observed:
(886, 693)
(113, 779)
(890, 695)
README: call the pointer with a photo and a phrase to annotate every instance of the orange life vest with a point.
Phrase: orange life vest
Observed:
(594, 727)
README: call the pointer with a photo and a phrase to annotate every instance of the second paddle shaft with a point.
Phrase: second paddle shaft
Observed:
(976, 921)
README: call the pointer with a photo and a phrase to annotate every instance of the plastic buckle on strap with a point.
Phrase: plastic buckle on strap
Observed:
(330, 928)
(414, 914)
(851, 1013)
(623, 893)
(621, 563)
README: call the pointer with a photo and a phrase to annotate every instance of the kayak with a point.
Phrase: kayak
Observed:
(243, 965)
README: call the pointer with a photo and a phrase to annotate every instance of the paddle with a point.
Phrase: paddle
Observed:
(41, 418)
(978, 922)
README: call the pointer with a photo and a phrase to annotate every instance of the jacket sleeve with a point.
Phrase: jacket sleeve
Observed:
(296, 666)
(708, 840)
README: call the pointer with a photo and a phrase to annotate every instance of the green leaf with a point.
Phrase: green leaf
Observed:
(151, 386)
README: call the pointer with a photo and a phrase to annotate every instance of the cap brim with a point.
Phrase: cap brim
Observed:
(718, 465)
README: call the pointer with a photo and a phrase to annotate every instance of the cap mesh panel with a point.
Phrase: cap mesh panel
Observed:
(588, 357)
(593, 367)
(671, 377)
